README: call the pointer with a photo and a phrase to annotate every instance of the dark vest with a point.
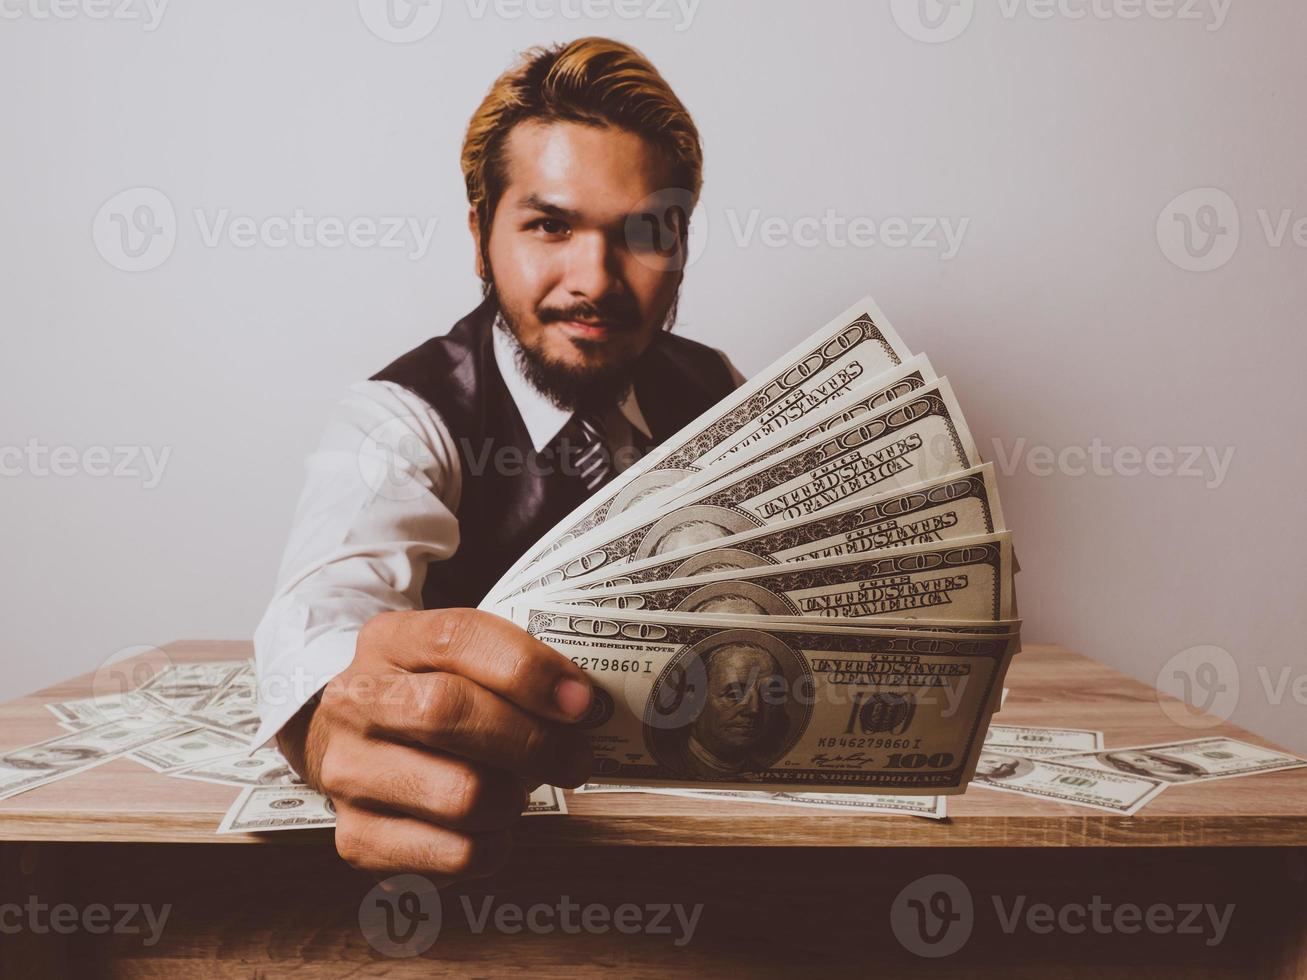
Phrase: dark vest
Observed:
(511, 497)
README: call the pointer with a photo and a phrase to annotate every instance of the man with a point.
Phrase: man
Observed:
(425, 721)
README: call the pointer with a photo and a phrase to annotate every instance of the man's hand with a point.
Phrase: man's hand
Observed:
(429, 741)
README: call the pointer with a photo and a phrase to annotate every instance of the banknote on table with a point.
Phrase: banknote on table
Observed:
(263, 767)
(916, 439)
(853, 348)
(1020, 737)
(84, 712)
(1199, 759)
(266, 808)
(261, 809)
(1026, 751)
(932, 807)
(180, 687)
(1053, 779)
(722, 703)
(26, 767)
(959, 505)
(967, 580)
(188, 749)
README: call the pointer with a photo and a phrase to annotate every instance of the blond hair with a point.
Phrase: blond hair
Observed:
(594, 81)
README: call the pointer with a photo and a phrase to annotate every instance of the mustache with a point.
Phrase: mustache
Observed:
(619, 313)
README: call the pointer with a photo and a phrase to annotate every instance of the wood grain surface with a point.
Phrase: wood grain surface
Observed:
(1050, 686)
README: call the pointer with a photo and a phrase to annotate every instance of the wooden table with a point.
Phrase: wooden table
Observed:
(781, 890)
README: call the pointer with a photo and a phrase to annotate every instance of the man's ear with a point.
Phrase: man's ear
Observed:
(475, 228)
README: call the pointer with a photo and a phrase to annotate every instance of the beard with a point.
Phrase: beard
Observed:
(592, 387)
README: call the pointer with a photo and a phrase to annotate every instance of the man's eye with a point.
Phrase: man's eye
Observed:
(551, 226)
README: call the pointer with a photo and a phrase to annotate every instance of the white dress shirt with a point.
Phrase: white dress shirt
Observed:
(379, 502)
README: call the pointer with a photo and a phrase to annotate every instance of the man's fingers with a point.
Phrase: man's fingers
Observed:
(452, 714)
(390, 843)
(441, 789)
(490, 650)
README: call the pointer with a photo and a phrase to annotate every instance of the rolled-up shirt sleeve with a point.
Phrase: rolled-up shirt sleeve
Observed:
(379, 502)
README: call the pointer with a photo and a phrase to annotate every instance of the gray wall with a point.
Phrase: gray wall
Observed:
(1070, 311)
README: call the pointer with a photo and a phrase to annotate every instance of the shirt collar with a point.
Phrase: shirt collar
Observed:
(542, 418)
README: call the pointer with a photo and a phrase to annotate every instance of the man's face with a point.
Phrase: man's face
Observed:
(581, 294)
(741, 691)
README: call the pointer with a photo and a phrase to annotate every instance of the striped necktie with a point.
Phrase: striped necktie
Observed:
(594, 464)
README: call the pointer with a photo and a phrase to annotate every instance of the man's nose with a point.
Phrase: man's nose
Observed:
(591, 266)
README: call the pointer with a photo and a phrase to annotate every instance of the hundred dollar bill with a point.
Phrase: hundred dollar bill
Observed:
(1026, 751)
(545, 799)
(853, 348)
(707, 701)
(263, 767)
(188, 749)
(265, 808)
(260, 809)
(914, 440)
(180, 687)
(888, 386)
(1185, 762)
(968, 579)
(960, 505)
(932, 807)
(1053, 779)
(85, 712)
(1059, 739)
(29, 766)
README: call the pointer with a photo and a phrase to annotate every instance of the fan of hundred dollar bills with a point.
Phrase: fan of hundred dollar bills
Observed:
(810, 587)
